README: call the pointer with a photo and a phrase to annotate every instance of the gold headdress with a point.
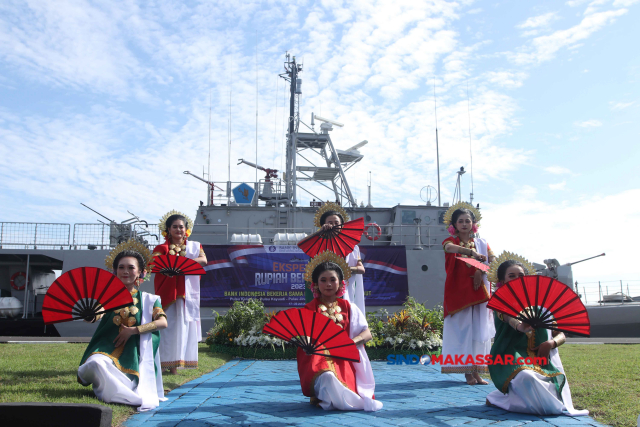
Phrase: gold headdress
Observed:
(130, 245)
(492, 274)
(462, 205)
(329, 206)
(326, 256)
(163, 220)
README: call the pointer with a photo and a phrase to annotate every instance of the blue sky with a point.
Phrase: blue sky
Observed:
(108, 103)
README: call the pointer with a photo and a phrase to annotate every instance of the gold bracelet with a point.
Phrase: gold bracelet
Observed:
(559, 339)
(147, 327)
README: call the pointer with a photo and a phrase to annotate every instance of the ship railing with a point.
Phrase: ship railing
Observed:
(106, 236)
(428, 237)
(608, 292)
(32, 235)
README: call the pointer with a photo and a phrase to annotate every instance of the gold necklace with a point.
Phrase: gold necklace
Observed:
(178, 250)
(126, 316)
(332, 311)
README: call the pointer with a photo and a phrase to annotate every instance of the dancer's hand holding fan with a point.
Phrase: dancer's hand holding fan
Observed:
(82, 293)
(338, 239)
(313, 333)
(542, 302)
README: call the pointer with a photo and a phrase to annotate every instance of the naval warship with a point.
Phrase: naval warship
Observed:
(266, 213)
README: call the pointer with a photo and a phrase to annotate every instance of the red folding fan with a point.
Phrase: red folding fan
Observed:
(339, 240)
(171, 265)
(542, 302)
(313, 332)
(80, 293)
(475, 263)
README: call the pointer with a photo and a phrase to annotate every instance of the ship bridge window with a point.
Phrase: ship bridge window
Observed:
(408, 217)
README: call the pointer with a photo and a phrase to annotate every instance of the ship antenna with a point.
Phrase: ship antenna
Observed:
(275, 122)
(470, 151)
(209, 160)
(229, 147)
(435, 106)
(256, 108)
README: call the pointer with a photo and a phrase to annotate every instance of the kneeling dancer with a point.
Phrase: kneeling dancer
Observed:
(121, 361)
(533, 387)
(335, 383)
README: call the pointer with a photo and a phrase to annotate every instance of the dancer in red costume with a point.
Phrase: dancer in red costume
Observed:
(180, 296)
(335, 383)
(468, 324)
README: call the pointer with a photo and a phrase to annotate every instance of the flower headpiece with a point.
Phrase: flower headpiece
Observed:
(326, 207)
(162, 224)
(135, 246)
(326, 256)
(461, 205)
(492, 274)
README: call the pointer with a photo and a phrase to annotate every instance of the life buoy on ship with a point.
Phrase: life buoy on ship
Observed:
(19, 280)
(377, 233)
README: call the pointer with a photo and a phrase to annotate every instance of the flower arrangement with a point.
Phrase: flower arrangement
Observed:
(414, 328)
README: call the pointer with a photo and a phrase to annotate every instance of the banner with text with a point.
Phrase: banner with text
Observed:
(275, 275)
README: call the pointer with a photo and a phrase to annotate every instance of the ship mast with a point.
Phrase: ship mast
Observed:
(291, 75)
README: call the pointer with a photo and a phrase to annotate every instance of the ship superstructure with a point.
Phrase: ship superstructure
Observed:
(267, 212)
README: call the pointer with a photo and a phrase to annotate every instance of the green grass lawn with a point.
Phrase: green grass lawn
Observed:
(47, 373)
(605, 379)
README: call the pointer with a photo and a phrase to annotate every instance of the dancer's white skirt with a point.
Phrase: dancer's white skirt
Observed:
(467, 332)
(333, 395)
(179, 343)
(110, 385)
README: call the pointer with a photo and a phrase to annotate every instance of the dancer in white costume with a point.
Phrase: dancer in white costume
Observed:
(531, 389)
(335, 383)
(180, 296)
(121, 361)
(468, 324)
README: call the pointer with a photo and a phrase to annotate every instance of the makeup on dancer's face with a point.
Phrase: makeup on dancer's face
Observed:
(128, 270)
(464, 223)
(177, 229)
(333, 220)
(328, 282)
(513, 272)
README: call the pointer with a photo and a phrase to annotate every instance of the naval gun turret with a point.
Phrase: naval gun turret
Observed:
(563, 273)
(132, 228)
(266, 189)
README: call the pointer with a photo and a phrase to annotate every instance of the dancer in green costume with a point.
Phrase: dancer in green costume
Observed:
(538, 385)
(121, 361)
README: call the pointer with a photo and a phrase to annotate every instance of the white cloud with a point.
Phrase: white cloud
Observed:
(539, 21)
(544, 48)
(624, 3)
(589, 123)
(558, 185)
(506, 79)
(565, 231)
(616, 106)
(557, 170)
(575, 3)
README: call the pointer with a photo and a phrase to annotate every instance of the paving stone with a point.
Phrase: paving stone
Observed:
(267, 393)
